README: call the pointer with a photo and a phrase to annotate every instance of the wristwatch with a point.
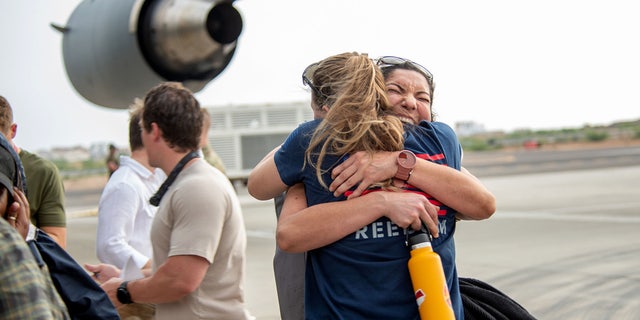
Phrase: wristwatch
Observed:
(406, 162)
(123, 294)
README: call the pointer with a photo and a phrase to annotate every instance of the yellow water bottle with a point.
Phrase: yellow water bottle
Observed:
(429, 282)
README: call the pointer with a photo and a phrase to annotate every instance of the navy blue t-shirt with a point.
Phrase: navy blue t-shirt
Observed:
(365, 275)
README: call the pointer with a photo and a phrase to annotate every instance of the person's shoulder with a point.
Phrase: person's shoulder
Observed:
(201, 170)
(438, 126)
(203, 176)
(26, 156)
(303, 132)
(311, 123)
(441, 125)
(127, 176)
(132, 167)
(307, 126)
(34, 161)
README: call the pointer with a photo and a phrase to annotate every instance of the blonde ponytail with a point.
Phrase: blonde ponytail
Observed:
(359, 117)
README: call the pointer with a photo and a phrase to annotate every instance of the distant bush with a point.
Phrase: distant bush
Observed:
(479, 144)
(70, 169)
(593, 135)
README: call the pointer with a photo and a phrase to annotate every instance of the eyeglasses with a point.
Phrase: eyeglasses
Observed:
(389, 61)
(307, 74)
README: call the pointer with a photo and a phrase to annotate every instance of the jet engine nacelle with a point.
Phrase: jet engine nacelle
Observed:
(116, 50)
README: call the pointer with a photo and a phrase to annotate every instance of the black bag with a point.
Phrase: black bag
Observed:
(481, 301)
(82, 295)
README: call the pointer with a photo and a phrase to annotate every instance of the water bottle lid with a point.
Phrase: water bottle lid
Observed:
(419, 238)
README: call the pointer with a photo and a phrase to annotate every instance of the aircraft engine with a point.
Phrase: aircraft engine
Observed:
(116, 50)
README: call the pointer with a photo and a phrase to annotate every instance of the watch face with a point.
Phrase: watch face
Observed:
(406, 163)
(407, 159)
(123, 294)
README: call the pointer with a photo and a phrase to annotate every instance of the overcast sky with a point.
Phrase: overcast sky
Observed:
(504, 64)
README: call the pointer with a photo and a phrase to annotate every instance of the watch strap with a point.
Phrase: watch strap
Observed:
(123, 294)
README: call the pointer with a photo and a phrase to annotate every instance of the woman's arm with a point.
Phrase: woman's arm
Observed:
(459, 190)
(302, 229)
(264, 181)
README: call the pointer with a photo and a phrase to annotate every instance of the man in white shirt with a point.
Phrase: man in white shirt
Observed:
(124, 212)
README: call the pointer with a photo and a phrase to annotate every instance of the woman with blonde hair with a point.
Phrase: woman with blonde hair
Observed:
(356, 260)
(358, 116)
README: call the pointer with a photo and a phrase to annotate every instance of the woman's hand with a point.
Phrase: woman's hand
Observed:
(363, 170)
(411, 210)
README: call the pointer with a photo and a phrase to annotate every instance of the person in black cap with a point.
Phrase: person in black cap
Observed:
(26, 290)
(46, 196)
(14, 205)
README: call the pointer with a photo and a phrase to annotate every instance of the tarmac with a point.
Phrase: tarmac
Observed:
(564, 243)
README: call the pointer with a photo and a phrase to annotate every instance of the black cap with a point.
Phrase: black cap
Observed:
(11, 173)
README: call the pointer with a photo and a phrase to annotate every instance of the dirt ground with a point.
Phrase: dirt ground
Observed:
(85, 183)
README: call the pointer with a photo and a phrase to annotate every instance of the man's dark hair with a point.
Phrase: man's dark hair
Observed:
(176, 112)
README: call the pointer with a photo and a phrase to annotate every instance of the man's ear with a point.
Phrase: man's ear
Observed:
(156, 132)
(14, 130)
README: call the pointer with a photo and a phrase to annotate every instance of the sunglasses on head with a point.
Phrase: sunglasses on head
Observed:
(390, 61)
(307, 75)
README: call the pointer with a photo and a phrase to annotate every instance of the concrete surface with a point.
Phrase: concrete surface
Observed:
(564, 244)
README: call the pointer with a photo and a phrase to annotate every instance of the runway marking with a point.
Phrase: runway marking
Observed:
(608, 207)
(550, 215)
(261, 234)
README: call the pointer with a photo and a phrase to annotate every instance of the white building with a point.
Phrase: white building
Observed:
(70, 154)
(243, 134)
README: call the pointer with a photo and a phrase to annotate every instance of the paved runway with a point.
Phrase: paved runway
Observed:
(564, 244)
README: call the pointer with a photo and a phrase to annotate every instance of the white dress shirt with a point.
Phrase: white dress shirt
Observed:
(125, 215)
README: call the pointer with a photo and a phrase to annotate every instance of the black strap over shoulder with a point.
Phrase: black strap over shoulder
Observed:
(155, 200)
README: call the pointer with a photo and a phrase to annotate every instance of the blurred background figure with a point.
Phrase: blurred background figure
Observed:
(206, 152)
(112, 160)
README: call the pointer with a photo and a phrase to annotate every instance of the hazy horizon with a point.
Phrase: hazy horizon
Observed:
(126, 144)
(502, 64)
